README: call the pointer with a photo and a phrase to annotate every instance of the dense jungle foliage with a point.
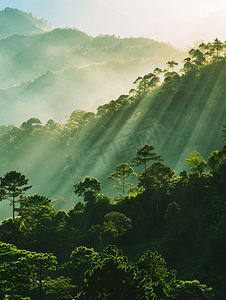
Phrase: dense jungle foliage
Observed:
(117, 247)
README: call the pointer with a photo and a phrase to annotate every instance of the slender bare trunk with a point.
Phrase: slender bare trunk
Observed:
(157, 210)
(40, 286)
(123, 188)
(13, 207)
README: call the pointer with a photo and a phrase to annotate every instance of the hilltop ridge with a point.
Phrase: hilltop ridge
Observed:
(14, 21)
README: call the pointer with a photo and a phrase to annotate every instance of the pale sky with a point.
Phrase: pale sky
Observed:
(119, 17)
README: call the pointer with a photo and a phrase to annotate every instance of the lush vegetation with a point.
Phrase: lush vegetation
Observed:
(183, 217)
(48, 253)
(175, 116)
(50, 74)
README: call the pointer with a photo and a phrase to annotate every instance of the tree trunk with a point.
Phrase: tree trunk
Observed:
(123, 188)
(157, 207)
(13, 207)
(40, 285)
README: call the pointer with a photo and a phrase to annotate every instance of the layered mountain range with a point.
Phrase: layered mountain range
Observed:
(53, 72)
(82, 105)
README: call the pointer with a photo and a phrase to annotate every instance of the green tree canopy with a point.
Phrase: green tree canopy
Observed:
(218, 46)
(121, 173)
(163, 281)
(31, 124)
(13, 185)
(38, 263)
(36, 212)
(144, 155)
(115, 225)
(156, 176)
(87, 188)
(21, 270)
(196, 161)
(60, 287)
(114, 277)
(215, 160)
(171, 64)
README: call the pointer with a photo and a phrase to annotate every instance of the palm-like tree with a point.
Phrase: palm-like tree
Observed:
(191, 53)
(171, 64)
(217, 46)
(202, 47)
(187, 64)
(199, 57)
(209, 52)
(121, 173)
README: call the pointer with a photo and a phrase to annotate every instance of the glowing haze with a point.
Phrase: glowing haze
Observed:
(131, 17)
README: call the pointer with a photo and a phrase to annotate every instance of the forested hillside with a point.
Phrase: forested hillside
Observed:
(49, 75)
(144, 172)
(61, 49)
(178, 219)
(176, 117)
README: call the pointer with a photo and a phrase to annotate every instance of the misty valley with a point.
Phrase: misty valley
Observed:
(112, 165)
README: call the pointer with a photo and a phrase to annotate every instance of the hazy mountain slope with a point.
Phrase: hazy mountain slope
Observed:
(55, 94)
(14, 21)
(25, 57)
(71, 70)
(175, 119)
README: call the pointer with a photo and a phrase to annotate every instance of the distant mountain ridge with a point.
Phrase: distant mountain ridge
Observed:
(14, 21)
(65, 69)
